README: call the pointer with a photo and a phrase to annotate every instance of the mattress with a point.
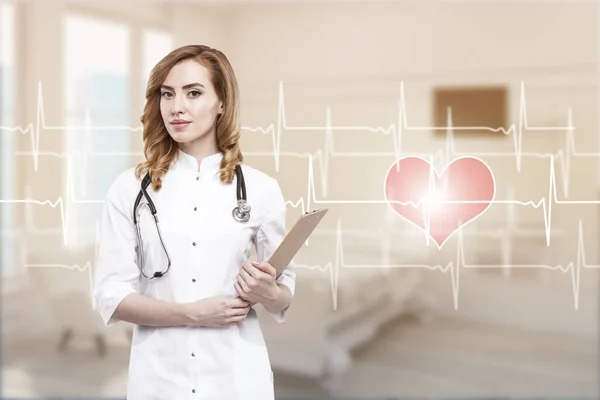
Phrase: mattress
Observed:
(351, 285)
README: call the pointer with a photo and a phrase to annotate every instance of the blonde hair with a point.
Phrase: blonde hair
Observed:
(160, 149)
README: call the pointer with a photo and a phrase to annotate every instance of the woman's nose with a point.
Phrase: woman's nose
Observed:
(177, 105)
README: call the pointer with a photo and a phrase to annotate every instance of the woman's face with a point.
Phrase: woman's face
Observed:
(188, 103)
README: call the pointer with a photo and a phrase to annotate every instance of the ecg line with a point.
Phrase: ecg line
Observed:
(306, 202)
(334, 268)
(275, 130)
(545, 203)
(63, 204)
(453, 267)
(506, 234)
(86, 267)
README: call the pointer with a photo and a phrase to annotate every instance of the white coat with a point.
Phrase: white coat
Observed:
(207, 248)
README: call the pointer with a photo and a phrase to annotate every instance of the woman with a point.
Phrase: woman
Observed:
(196, 335)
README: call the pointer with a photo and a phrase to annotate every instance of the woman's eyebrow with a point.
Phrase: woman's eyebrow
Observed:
(189, 85)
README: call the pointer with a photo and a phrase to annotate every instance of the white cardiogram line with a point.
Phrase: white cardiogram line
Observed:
(544, 203)
(506, 233)
(323, 155)
(453, 267)
(305, 203)
(87, 266)
(64, 204)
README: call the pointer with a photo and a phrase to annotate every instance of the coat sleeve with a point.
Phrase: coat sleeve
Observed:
(270, 234)
(116, 274)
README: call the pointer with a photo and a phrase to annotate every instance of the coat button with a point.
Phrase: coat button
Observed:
(195, 208)
(193, 390)
(193, 243)
(193, 355)
(193, 279)
(197, 178)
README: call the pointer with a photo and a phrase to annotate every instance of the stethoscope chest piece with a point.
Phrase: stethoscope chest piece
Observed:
(241, 213)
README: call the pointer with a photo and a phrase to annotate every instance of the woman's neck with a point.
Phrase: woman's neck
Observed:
(199, 150)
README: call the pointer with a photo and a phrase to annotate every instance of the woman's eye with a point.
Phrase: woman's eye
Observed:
(195, 93)
(164, 94)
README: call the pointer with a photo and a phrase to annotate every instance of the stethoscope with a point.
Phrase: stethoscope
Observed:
(241, 214)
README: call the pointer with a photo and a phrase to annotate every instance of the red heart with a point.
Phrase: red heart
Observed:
(464, 191)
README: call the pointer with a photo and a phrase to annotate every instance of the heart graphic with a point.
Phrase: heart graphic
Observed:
(416, 192)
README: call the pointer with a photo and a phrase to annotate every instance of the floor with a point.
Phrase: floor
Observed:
(441, 357)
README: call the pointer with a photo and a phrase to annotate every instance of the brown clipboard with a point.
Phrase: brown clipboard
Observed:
(295, 238)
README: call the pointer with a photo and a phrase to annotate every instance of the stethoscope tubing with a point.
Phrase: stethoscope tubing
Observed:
(241, 214)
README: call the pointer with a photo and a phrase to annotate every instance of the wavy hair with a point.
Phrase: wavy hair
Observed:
(160, 149)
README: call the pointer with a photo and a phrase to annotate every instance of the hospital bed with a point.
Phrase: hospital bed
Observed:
(329, 317)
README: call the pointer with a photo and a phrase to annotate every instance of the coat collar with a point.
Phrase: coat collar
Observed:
(209, 164)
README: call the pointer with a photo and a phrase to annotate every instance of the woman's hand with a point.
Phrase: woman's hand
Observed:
(216, 312)
(256, 283)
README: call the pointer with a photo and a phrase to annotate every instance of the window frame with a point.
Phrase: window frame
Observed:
(74, 114)
(137, 29)
(7, 141)
(137, 26)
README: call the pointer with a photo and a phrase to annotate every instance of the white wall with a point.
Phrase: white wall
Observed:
(352, 57)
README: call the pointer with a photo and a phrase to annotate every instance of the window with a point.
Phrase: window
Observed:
(7, 77)
(97, 100)
(156, 45)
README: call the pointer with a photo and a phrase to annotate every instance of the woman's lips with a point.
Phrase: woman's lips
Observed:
(179, 126)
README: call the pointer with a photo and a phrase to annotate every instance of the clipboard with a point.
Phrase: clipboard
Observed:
(296, 236)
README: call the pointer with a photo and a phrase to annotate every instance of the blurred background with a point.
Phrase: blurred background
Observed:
(332, 94)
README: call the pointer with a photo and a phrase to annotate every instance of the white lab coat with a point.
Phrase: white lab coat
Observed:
(207, 248)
